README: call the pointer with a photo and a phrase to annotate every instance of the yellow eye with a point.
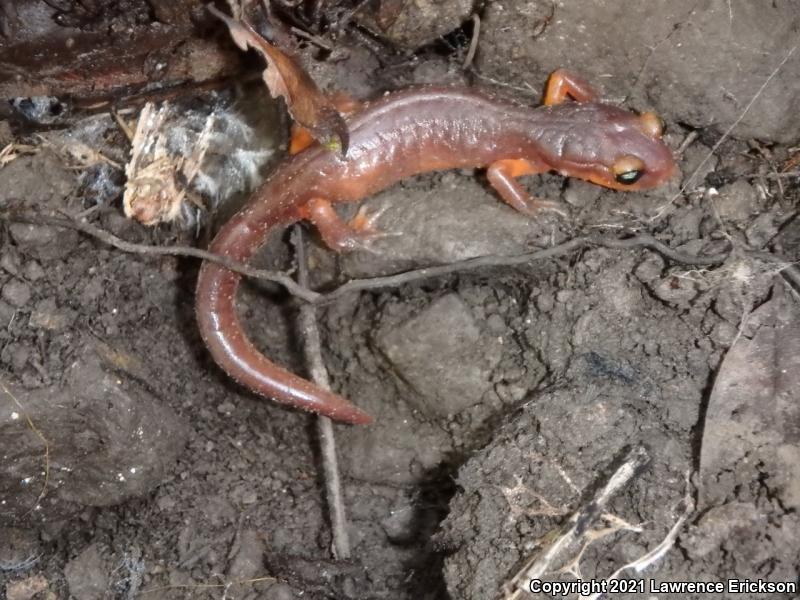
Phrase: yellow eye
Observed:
(628, 170)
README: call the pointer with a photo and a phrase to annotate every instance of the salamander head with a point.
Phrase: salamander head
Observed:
(614, 148)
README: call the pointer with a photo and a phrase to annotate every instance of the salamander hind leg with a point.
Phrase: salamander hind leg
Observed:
(341, 235)
(503, 177)
(563, 84)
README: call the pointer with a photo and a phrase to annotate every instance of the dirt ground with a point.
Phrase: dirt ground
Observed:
(505, 396)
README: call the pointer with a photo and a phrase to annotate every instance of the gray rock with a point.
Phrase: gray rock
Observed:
(413, 24)
(389, 451)
(33, 271)
(43, 241)
(737, 202)
(28, 588)
(46, 315)
(675, 290)
(431, 228)
(17, 293)
(109, 440)
(88, 575)
(248, 562)
(280, 591)
(443, 355)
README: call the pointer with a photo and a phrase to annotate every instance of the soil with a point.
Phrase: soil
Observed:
(504, 396)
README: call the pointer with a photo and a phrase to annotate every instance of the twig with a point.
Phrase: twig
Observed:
(657, 553)
(120, 244)
(638, 241)
(778, 176)
(205, 586)
(687, 141)
(473, 43)
(579, 243)
(725, 135)
(577, 528)
(327, 440)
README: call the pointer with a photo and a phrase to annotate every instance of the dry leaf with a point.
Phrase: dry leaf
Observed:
(752, 425)
(285, 78)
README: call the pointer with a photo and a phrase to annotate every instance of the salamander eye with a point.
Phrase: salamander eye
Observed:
(628, 170)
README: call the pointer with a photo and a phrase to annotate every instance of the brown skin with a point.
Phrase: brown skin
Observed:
(400, 135)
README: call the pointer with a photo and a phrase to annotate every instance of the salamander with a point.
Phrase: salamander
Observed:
(399, 135)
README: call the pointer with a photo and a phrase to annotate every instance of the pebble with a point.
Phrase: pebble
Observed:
(17, 293)
(280, 591)
(47, 316)
(33, 271)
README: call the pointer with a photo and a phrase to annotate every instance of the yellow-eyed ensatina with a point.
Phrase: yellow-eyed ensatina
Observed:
(399, 135)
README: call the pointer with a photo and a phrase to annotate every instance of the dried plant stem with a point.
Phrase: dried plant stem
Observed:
(576, 531)
(388, 281)
(327, 440)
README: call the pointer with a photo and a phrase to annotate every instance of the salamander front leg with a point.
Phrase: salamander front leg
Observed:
(344, 236)
(563, 84)
(502, 175)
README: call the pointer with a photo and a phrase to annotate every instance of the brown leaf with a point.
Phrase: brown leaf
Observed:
(752, 425)
(285, 78)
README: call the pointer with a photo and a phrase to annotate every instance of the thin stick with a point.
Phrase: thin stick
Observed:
(473, 43)
(578, 526)
(112, 240)
(327, 440)
(638, 241)
(657, 553)
(725, 135)
(579, 243)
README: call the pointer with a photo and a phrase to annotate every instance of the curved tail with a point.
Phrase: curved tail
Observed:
(228, 343)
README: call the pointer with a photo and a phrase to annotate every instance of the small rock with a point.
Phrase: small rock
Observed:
(399, 525)
(27, 588)
(413, 24)
(280, 591)
(761, 230)
(676, 291)
(47, 316)
(33, 271)
(226, 408)
(16, 354)
(47, 243)
(166, 503)
(685, 225)
(87, 575)
(111, 438)
(9, 261)
(737, 202)
(442, 353)
(696, 164)
(17, 293)
(249, 559)
(649, 269)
